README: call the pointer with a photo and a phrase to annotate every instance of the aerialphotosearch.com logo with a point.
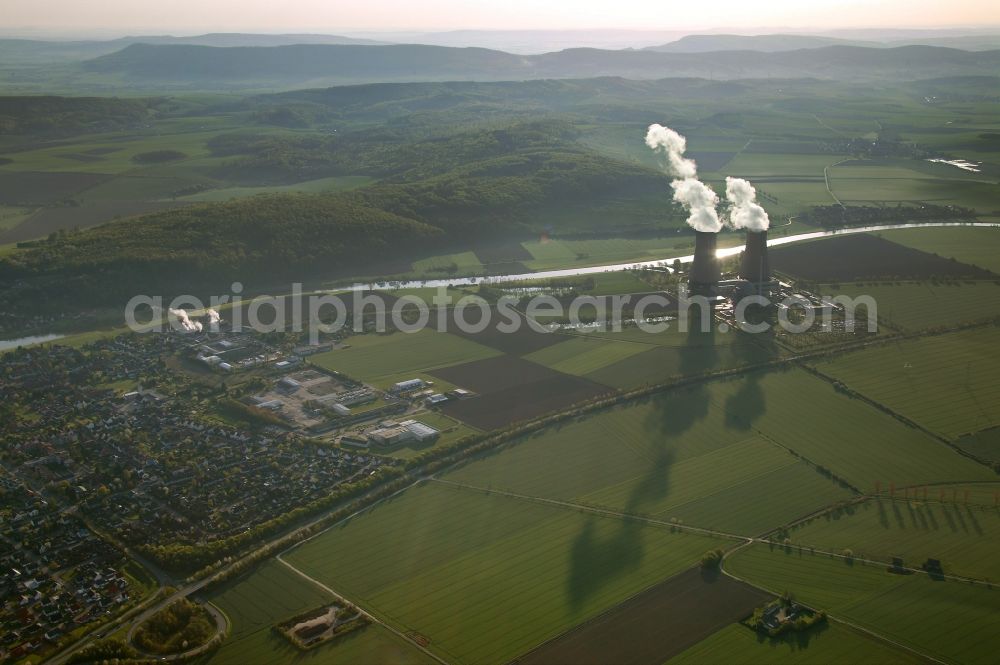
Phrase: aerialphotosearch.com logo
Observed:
(361, 310)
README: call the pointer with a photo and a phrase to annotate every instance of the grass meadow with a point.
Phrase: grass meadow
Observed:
(975, 246)
(951, 621)
(381, 358)
(273, 593)
(699, 454)
(912, 306)
(962, 536)
(484, 577)
(947, 383)
(832, 644)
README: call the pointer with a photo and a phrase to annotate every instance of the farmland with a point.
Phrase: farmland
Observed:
(382, 359)
(962, 536)
(583, 355)
(673, 457)
(639, 455)
(898, 181)
(512, 389)
(911, 306)
(871, 257)
(484, 577)
(947, 619)
(739, 645)
(272, 593)
(555, 516)
(984, 444)
(946, 383)
(672, 354)
(975, 246)
(656, 624)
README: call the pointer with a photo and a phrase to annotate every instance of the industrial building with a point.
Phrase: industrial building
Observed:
(408, 386)
(390, 433)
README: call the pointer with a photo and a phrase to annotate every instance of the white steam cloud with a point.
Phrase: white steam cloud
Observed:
(213, 319)
(186, 323)
(696, 196)
(671, 145)
(700, 201)
(745, 212)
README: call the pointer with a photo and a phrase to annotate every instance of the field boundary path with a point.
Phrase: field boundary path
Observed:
(368, 615)
(849, 624)
(826, 179)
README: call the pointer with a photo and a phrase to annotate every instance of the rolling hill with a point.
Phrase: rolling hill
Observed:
(144, 65)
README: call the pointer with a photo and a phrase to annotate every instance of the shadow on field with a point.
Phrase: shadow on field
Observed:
(594, 560)
(796, 640)
(748, 403)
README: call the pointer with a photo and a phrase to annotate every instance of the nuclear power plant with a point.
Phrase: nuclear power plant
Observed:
(755, 268)
(754, 277)
(703, 279)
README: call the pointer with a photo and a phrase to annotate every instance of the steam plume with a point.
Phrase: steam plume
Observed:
(700, 201)
(745, 212)
(672, 145)
(213, 319)
(690, 192)
(186, 323)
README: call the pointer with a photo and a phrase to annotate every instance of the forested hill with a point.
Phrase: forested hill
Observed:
(71, 115)
(435, 194)
(296, 65)
(279, 236)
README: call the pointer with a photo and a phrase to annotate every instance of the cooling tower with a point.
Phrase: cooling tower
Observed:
(704, 276)
(755, 267)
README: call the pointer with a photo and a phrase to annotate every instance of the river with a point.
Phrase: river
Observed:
(614, 267)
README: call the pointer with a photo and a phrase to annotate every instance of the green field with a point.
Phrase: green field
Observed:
(583, 355)
(667, 355)
(558, 253)
(912, 306)
(962, 537)
(946, 383)
(485, 577)
(890, 181)
(461, 264)
(638, 456)
(381, 359)
(975, 246)
(273, 593)
(951, 621)
(681, 456)
(984, 444)
(832, 643)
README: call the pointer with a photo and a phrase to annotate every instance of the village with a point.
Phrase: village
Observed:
(164, 441)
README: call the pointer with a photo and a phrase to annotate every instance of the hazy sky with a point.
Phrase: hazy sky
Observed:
(331, 16)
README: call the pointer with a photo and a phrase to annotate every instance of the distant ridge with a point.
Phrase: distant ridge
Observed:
(291, 66)
(764, 43)
(792, 42)
(20, 52)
